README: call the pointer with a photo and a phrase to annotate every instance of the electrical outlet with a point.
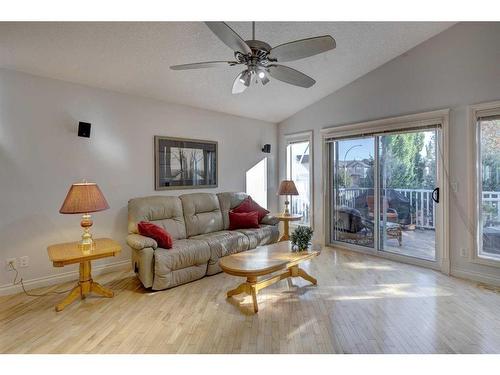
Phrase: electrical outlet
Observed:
(454, 186)
(10, 261)
(463, 253)
(24, 262)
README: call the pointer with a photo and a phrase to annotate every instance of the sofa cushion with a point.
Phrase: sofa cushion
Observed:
(160, 235)
(264, 235)
(202, 213)
(164, 211)
(242, 220)
(184, 253)
(138, 242)
(227, 202)
(223, 243)
(249, 205)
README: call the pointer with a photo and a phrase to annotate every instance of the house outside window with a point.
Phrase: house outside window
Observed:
(299, 166)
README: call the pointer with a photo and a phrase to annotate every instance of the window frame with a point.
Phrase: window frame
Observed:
(475, 112)
(398, 123)
(306, 136)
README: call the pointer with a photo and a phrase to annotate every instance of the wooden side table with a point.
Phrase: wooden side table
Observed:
(69, 253)
(286, 227)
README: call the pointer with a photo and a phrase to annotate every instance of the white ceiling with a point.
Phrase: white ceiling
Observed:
(134, 58)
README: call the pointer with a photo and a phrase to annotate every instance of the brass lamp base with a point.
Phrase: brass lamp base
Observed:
(87, 243)
(286, 212)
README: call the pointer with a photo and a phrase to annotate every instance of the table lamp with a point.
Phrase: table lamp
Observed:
(83, 198)
(287, 187)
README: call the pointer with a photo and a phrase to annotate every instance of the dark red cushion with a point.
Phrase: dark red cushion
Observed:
(249, 205)
(160, 235)
(243, 220)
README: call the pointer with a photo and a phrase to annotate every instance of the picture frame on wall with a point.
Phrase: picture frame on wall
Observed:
(183, 163)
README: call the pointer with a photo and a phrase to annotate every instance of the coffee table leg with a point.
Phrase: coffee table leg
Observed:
(307, 277)
(296, 271)
(238, 290)
(254, 298)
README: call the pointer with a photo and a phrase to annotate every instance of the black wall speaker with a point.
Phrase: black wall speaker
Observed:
(266, 148)
(84, 129)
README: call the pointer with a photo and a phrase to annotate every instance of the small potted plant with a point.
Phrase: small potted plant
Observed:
(301, 238)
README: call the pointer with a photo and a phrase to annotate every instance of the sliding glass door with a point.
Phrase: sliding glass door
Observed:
(353, 178)
(408, 193)
(384, 192)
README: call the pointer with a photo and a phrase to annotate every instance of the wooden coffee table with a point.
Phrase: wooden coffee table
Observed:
(263, 261)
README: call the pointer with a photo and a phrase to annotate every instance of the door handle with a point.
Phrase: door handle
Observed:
(435, 195)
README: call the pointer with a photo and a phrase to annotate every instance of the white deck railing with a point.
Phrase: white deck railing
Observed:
(423, 211)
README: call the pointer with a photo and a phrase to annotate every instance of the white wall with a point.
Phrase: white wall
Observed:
(41, 155)
(456, 68)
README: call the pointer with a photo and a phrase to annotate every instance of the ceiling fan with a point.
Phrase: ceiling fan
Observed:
(261, 59)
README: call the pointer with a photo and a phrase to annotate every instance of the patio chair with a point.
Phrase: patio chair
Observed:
(351, 226)
(390, 213)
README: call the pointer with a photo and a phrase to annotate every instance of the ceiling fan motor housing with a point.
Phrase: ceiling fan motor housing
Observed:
(259, 56)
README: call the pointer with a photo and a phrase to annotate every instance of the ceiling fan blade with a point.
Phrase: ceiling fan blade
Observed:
(302, 48)
(229, 37)
(290, 75)
(206, 64)
(239, 84)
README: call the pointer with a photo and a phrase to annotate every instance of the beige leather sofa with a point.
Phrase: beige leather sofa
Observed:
(199, 225)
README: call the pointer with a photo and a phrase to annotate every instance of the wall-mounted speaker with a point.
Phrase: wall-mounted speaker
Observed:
(84, 129)
(266, 148)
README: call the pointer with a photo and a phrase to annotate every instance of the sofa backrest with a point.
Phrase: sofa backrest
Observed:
(164, 211)
(227, 202)
(202, 213)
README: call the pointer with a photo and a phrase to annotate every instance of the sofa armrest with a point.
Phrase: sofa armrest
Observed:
(138, 242)
(269, 220)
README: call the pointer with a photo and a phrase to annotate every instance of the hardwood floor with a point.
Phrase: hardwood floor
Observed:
(362, 304)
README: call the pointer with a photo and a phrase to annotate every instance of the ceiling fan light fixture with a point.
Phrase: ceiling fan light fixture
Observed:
(245, 77)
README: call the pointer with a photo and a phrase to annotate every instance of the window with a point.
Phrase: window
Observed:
(488, 183)
(299, 159)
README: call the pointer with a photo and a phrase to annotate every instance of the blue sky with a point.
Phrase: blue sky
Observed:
(362, 149)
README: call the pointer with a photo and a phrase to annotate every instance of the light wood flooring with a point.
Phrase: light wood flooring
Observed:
(362, 304)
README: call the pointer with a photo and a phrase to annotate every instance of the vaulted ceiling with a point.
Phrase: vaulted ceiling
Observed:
(134, 58)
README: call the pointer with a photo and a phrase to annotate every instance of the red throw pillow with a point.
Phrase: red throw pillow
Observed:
(243, 220)
(249, 205)
(160, 235)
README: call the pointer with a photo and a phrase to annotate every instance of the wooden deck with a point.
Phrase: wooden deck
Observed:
(418, 243)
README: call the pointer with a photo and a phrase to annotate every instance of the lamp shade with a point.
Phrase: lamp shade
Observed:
(287, 187)
(83, 198)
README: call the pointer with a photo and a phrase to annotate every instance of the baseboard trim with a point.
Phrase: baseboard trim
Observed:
(475, 276)
(8, 289)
